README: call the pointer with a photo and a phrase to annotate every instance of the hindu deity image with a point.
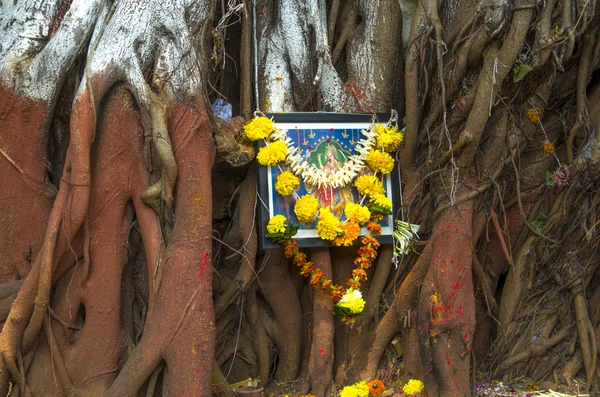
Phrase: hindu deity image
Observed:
(330, 158)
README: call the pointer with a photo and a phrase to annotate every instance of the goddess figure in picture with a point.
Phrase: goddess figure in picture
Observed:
(334, 198)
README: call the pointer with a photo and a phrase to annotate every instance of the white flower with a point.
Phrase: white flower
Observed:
(404, 234)
(314, 176)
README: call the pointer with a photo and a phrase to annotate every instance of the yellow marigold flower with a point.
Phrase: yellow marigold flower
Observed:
(359, 389)
(286, 183)
(368, 185)
(376, 387)
(350, 230)
(328, 225)
(306, 208)
(259, 128)
(357, 213)
(534, 115)
(549, 148)
(382, 201)
(276, 224)
(353, 300)
(413, 386)
(380, 161)
(388, 138)
(272, 154)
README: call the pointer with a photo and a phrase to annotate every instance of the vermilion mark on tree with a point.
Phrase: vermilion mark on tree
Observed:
(321, 352)
(203, 265)
(448, 360)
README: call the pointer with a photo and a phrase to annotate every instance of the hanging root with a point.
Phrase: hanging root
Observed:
(587, 336)
(159, 196)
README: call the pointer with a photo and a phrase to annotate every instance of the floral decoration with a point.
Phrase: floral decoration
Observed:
(412, 387)
(388, 138)
(276, 224)
(368, 185)
(380, 161)
(359, 389)
(376, 387)
(314, 176)
(360, 169)
(286, 183)
(328, 225)
(306, 208)
(272, 154)
(258, 128)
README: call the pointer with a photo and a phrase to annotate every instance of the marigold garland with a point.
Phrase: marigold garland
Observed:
(372, 151)
(286, 183)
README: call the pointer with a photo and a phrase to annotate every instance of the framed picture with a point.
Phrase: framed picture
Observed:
(325, 140)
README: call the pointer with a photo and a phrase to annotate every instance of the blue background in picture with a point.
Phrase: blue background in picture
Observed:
(326, 149)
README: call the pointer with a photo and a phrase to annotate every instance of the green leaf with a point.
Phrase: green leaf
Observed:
(540, 222)
(291, 230)
(520, 70)
(379, 210)
(345, 312)
(550, 182)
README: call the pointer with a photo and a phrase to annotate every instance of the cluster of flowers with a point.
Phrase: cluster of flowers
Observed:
(412, 388)
(363, 389)
(371, 151)
(348, 303)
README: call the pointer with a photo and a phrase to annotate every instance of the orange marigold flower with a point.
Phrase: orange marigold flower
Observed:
(376, 217)
(362, 262)
(307, 269)
(534, 115)
(549, 148)
(316, 277)
(374, 228)
(360, 274)
(289, 250)
(351, 283)
(300, 259)
(351, 231)
(376, 387)
(370, 240)
(367, 252)
(337, 293)
(327, 284)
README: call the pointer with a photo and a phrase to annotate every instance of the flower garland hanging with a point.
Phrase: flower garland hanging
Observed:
(314, 176)
(371, 159)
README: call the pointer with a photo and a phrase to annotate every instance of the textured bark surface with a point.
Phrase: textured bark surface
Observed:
(129, 212)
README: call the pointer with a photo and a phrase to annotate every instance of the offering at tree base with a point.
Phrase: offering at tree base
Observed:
(342, 189)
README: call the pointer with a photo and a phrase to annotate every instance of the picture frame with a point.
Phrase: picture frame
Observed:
(331, 136)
